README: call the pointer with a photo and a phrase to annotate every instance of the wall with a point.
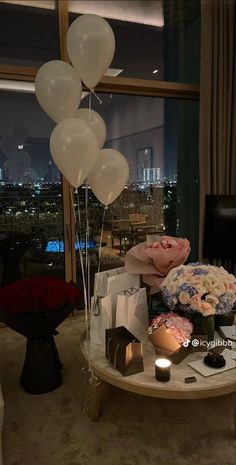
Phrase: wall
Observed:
(134, 123)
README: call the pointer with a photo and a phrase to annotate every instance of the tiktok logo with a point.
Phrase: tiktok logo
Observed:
(186, 343)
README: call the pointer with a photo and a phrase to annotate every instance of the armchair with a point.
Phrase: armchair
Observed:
(121, 230)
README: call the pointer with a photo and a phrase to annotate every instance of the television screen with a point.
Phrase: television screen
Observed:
(220, 227)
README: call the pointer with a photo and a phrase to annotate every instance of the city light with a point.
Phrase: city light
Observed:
(58, 246)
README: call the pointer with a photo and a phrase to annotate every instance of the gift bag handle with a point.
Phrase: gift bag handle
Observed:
(115, 356)
(108, 352)
(108, 274)
(131, 291)
(108, 349)
(97, 305)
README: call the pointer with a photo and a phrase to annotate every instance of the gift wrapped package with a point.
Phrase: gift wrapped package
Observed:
(163, 341)
(169, 332)
(124, 351)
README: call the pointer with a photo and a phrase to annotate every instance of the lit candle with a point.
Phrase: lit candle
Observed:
(162, 369)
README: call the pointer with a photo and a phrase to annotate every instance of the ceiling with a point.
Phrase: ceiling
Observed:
(29, 37)
(142, 11)
(136, 11)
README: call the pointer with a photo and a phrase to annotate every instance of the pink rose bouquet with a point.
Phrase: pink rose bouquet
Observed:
(153, 261)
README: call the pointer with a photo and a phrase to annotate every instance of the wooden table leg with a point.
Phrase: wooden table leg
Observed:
(98, 394)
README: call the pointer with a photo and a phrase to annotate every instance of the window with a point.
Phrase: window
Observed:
(155, 41)
(28, 35)
(159, 138)
(31, 215)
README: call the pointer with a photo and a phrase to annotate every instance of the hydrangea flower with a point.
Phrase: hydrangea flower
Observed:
(180, 328)
(206, 289)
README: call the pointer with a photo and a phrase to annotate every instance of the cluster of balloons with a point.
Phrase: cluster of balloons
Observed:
(77, 140)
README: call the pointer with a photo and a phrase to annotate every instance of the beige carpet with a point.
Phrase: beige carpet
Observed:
(51, 429)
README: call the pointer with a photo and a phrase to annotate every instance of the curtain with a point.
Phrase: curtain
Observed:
(217, 147)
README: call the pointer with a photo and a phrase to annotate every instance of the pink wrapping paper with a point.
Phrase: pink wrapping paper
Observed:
(154, 261)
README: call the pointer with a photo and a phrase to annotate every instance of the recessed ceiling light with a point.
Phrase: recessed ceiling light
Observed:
(113, 72)
(155, 71)
(17, 86)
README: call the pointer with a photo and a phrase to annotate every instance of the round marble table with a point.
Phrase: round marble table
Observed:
(144, 383)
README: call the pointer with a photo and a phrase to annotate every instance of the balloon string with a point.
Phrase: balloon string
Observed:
(90, 104)
(100, 247)
(79, 215)
(95, 95)
(87, 254)
(81, 256)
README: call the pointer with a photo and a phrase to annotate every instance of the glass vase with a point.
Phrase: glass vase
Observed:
(203, 325)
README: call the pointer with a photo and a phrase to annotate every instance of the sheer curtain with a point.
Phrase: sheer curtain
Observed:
(217, 150)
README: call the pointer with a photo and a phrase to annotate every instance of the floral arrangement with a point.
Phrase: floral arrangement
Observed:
(195, 287)
(178, 327)
(37, 294)
(154, 260)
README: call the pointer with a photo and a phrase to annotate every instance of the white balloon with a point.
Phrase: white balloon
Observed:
(109, 175)
(74, 149)
(96, 123)
(91, 47)
(58, 89)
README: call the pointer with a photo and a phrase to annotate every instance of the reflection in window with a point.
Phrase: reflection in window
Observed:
(159, 138)
(28, 36)
(31, 214)
(144, 165)
(158, 40)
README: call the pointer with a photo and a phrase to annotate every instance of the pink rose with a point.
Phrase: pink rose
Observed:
(165, 243)
(206, 309)
(195, 301)
(230, 287)
(184, 298)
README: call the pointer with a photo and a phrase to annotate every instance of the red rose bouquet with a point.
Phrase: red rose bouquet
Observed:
(37, 295)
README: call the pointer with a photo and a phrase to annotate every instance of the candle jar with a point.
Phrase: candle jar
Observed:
(162, 369)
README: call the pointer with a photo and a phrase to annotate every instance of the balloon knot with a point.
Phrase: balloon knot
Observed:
(95, 95)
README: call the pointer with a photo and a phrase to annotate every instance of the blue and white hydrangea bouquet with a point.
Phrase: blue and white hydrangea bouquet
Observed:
(206, 289)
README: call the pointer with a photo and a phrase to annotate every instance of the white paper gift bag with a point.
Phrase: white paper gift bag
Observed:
(119, 283)
(101, 280)
(100, 318)
(132, 311)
